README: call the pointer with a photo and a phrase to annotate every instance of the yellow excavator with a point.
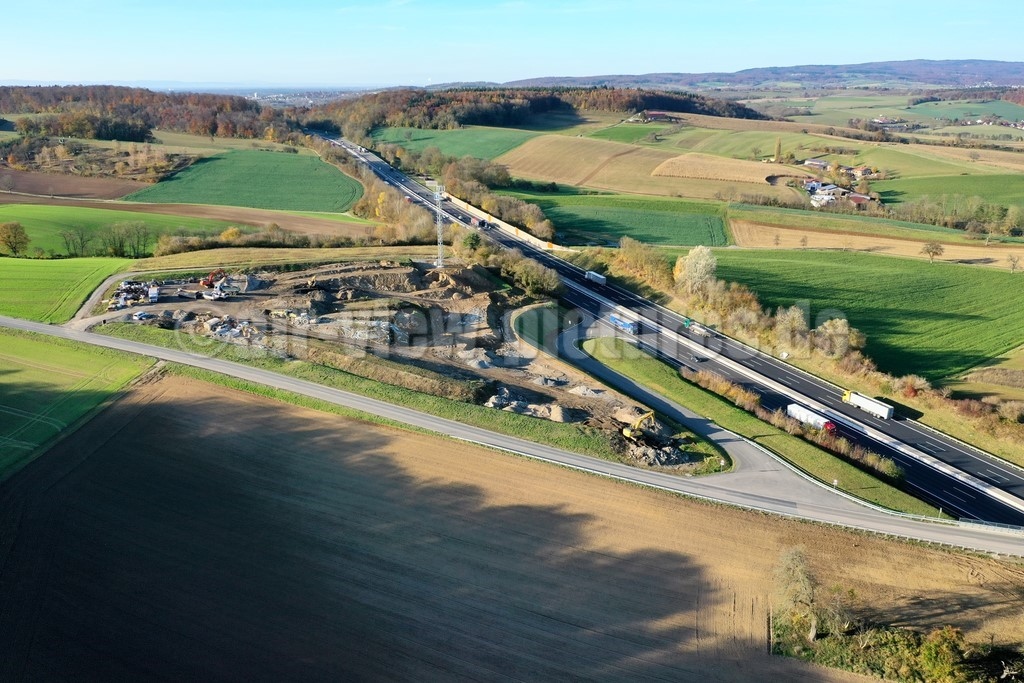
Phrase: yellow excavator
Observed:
(635, 431)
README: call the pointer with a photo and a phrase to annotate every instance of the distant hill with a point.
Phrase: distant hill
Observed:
(917, 73)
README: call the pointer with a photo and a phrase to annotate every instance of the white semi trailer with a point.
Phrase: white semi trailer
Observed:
(868, 405)
(596, 277)
(810, 418)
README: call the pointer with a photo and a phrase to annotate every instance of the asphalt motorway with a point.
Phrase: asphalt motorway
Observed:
(829, 510)
(996, 493)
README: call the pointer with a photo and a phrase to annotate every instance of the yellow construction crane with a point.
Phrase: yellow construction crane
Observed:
(635, 431)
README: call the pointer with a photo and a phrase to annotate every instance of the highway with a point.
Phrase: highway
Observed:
(791, 501)
(956, 477)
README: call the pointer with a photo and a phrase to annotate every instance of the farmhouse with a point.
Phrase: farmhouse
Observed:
(651, 116)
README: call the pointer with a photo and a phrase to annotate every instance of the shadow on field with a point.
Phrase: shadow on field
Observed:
(32, 415)
(187, 536)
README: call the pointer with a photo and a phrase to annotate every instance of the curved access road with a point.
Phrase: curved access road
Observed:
(723, 489)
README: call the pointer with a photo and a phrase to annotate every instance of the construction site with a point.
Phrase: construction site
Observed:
(445, 332)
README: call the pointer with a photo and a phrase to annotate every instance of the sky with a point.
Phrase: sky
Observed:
(371, 43)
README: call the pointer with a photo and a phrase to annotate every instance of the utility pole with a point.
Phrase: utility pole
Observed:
(438, 196)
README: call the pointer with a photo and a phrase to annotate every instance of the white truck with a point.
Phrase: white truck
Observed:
(596, 277)
(154, 294)
(869, 405)
(699, 330)
(810, 418)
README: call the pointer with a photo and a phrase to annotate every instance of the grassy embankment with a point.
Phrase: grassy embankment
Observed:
(652, 373)
(51, 291)
(256, 179)
(567, 436)
(49, 385)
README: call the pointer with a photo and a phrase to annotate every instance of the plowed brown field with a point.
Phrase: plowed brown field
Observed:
(195, 533)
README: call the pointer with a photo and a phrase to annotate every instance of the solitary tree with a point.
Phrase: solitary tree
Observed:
(778, 150)
(696, 270)
(13, 237)
(931, 250)
(1014, 261)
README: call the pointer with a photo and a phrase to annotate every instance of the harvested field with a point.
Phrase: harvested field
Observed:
(709, 167)
(617, 167)
(250, 540)
(61, 185)
(761, 236)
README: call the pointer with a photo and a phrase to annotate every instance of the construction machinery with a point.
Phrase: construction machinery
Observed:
(635, 431)
(211, 279)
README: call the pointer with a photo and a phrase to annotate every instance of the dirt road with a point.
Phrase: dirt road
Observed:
(191, 532)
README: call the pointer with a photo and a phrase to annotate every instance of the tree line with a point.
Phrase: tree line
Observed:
(114, 112)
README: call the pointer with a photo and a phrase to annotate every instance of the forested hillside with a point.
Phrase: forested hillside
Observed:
(130, 114)
(504, 106)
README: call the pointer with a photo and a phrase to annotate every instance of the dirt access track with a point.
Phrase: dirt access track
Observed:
(100, 193)
(252, 540)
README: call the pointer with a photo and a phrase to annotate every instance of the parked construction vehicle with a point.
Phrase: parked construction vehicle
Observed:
(212, 278)
(635, 431)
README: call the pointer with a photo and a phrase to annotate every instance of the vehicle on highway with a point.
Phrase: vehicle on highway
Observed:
(810, 418)
(627, 326)
(869, 405)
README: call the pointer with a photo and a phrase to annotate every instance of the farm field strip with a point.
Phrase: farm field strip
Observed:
(52, 290)
(477, 141)
(601, 218)
(47, 384)
(258, 179)
(617, 167)
(414, 557)
(45, 222)
(933, 320)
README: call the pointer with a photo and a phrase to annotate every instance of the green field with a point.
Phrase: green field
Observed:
(51, 291)
(260, 180)
(996, 189)
(47, 384)
(604, 219)
(44, 224)
(475, 141)
(963, 109)
(630, 133)
(934, 320)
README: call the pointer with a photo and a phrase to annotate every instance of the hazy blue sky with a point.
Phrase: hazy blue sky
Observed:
(418, 42)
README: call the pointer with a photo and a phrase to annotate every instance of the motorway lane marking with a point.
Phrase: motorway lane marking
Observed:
(969, 498)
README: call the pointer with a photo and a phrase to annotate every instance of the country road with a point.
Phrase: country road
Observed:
(751, 491)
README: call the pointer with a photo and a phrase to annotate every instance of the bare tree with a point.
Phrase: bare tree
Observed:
(803, 242)
(76, 240)
(137, 234)
(6, 182)
(1014, 262)
(932, 249)
(114, 239)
